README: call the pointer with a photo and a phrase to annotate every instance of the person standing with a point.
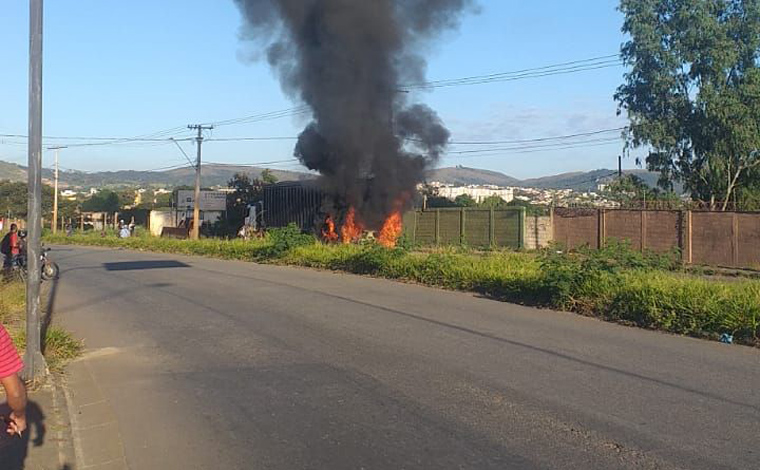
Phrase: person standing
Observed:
(15, 392)
(10, 246)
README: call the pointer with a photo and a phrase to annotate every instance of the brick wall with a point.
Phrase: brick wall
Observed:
(712, 238)
(664, 230)
(624, 226)
(705, 238)
(749, 240)
(574, 228)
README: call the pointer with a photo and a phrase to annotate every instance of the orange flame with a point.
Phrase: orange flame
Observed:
(391, 230)
(328, 230)
(351, 230)
(392, 227)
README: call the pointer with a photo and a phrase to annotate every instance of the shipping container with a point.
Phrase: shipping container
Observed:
(297, 203)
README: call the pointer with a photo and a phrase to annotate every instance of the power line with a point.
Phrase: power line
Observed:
(539, 139)
(250, 139)
(135, 139)
(531, 150)
(98, 141)
(276, 162)
(263, 117)
(547, 145)
(575, 66)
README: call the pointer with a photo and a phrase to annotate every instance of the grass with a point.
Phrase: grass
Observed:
(59, 346)
(615, 284)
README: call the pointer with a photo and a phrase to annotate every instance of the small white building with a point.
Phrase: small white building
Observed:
(478, 193)
(68, 194)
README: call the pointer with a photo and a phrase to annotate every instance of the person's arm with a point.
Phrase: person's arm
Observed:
(16, 395)
(10, 366)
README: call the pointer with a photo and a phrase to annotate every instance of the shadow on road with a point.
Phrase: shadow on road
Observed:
(144, 265)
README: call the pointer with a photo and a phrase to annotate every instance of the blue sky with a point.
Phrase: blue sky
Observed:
(138, 67)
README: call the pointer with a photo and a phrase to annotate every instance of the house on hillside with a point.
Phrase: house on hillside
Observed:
(478, 193)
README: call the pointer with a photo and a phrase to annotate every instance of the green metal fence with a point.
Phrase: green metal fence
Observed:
(467, 226)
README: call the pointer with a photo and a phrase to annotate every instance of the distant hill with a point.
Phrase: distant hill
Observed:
(12, 172)
(468, 176)
(578, 181)
(213, 175)
(219, 175)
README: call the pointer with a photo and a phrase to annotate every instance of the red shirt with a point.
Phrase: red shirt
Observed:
(14, 245)
(10, 362)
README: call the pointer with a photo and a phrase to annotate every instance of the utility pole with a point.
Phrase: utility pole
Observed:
(55, 196)
(196, 232)
(34, 362)
(620, 167)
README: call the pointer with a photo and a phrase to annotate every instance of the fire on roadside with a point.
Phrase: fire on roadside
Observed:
(328, 230)
(352, 229)
(392, 229)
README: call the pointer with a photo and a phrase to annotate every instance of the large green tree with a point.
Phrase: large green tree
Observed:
(14, 199)
(104, 201)
(692, 92)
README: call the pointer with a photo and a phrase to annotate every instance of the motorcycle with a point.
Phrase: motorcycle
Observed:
(49, 268)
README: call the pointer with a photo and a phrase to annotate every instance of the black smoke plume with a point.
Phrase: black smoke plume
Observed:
(348, 60)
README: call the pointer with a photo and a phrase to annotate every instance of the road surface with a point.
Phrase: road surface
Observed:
(225, 365)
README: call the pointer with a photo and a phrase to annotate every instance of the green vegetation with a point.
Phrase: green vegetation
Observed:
(692, 94)
(616, 284)
(59, 346)
(104, 201)
(632, 189)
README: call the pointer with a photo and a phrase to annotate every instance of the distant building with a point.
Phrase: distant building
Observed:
(478, 193)
(213, 205)
(69, 194)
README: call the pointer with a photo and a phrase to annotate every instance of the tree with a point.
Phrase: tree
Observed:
(268, 177)
(464, 200)
(246, 192)
(127, 198)
(530, 209)
(493, 202)
(163, 200)
(14, 199)
(104, 201)
(693, 92)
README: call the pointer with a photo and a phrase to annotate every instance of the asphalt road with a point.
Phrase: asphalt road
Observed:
(222, 365)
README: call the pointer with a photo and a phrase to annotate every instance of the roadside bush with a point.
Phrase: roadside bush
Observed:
(282, 240)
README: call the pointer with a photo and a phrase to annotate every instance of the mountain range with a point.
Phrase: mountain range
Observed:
(219, 175)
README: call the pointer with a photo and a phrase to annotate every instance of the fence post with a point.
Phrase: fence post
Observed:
(689, 237)
(602, 228)
(437, 226)
(414, 228)
(492, 228)
(462, 224)
(735, 238)
(521, 228)
(551, 225)
(643, 230)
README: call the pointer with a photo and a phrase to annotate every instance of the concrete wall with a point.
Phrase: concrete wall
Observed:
(539, 232)
(159, 220)
(472, 227)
